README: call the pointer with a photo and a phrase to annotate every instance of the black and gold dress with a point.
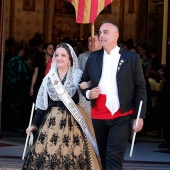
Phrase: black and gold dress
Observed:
(60, 143)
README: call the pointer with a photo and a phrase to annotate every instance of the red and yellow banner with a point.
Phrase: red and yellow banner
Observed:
(88, 10)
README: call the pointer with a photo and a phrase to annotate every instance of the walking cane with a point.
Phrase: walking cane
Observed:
(134, 134)
(26, 142)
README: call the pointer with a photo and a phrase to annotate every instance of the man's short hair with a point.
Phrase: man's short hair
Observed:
(95, 33)
(106, 21)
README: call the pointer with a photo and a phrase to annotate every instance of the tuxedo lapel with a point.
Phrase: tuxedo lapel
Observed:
(99, 60)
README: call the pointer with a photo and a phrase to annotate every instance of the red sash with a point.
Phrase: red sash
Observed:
(100, 111)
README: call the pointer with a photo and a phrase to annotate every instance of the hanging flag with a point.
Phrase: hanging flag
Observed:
(88, 10)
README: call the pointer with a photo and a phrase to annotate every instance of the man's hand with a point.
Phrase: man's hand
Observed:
(94, 93)
(139, 126)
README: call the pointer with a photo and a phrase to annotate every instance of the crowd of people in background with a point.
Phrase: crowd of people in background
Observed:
(157, 80)
(25, 68)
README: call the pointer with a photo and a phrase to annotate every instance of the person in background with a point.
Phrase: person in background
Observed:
(40, 69)
(81, 44)
(155, 85)
(49, 51)
(82, 59)
(61, 142)
(10, 48)
(17, 80)
(117, 87)
(133, 49)
(164, 109)
(76, 48)
(147, 67)
(156, 65)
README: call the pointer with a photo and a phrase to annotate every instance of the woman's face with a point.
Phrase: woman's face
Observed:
(141, 51)
(49, 50)
(62, 58)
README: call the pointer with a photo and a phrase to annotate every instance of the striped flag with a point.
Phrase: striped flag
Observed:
(87, 10)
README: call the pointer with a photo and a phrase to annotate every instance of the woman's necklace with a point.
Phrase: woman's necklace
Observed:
(61, 76)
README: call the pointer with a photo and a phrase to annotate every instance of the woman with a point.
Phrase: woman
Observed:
(40, 69)
(61, 142)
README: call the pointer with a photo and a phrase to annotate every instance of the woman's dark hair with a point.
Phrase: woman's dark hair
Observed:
(18, 48)
(65, 46)
(45, 46)
(144, 47)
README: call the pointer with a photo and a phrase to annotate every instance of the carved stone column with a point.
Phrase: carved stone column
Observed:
(48, 19)
(155, 25)
(11, 23)
(121, 20)
(141, 24)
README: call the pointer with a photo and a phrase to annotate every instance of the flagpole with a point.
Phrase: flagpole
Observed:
(92, 36)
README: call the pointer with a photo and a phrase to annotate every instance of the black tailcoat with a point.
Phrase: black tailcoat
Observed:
(130, 79)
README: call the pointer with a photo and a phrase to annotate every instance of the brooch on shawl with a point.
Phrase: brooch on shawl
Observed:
(56, 82)
(119, 65)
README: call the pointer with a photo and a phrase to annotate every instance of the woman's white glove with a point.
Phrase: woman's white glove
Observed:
(29, 131)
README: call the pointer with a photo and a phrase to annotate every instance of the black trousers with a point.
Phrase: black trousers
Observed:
(112, 136)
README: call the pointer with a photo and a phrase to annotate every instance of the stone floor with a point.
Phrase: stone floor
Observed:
(146, 154)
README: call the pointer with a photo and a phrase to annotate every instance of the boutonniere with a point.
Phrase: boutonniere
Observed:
(120, 63)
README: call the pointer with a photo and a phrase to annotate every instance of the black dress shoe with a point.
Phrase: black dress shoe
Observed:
(164, 144)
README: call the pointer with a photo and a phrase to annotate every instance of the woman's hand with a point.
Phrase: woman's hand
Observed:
(31, 92)
(161, 72)
(84, 85)
(30, 130)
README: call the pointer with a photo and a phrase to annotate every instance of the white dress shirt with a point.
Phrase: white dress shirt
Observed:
(108, 83)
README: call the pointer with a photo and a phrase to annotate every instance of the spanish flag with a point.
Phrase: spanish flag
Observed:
(87, 10)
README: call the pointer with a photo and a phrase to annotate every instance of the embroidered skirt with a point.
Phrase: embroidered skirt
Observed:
(61, 145)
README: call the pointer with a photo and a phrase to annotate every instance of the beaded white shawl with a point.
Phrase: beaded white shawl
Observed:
(71, 84)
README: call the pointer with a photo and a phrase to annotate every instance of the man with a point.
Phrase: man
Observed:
(82, 59)
(17, 82)
(117, 87)
(156, 65)
(164, 109)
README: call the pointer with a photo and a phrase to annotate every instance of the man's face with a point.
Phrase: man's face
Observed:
(108, 35)
(97, 45)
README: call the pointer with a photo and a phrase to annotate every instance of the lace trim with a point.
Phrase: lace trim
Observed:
(46, 88)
